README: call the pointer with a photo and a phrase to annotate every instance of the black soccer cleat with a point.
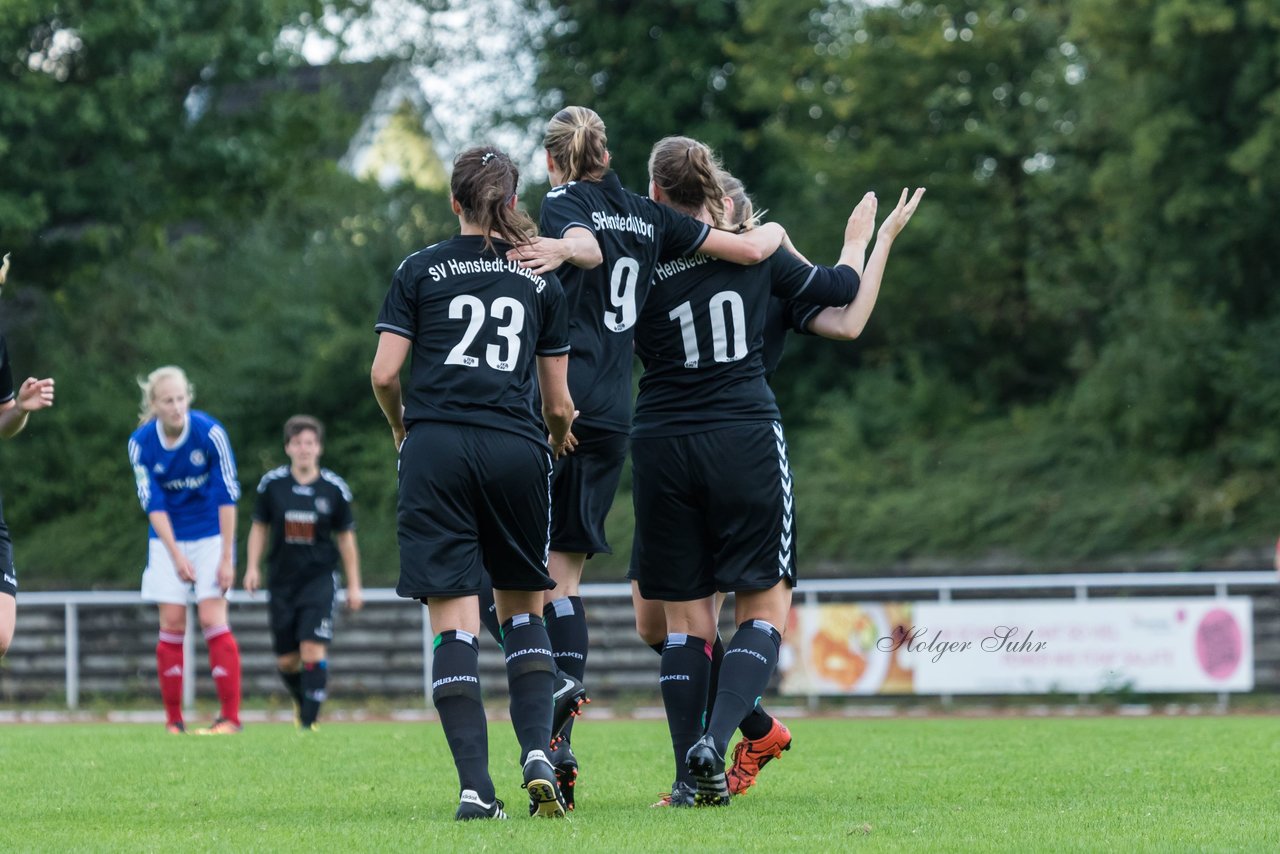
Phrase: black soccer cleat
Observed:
(681, 795)
(707, 766)
(471, 807)
(566, 765)
(545, 800)
(570, 696)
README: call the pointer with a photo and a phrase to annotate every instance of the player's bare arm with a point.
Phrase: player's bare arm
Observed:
(385, 375)
(346, 542)
(545, 254)
(253, 557)
(557, 406)
(847, 323)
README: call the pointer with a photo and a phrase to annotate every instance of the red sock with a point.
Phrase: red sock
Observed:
(224, 659)
(169, 669)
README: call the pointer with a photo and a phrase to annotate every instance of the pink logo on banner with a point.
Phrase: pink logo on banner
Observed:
(1219, 644)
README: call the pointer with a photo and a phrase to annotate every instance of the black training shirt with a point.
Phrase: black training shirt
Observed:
(303, 519)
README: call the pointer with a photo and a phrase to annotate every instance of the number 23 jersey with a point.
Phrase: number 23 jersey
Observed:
(476, 322)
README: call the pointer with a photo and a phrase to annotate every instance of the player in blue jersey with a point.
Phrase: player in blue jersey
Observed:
(15, 406)
(186, 478)
(488, 339)
(604, 242)
(302, 521)
(712, 484)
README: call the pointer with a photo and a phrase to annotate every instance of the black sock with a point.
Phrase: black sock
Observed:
(531, 677)
(489, 608)
(756, 724)
(455, 690)
(293, 681)
(686, 667)
(567, 629)
(713, 685)
(749, 661)
(315, 677)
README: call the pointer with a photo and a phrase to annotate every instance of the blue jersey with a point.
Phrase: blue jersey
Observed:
(189, 480)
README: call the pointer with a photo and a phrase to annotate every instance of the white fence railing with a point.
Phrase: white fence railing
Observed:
(939, 588)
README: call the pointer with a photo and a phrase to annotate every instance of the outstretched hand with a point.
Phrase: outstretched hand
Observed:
(862, 221)
(900, 215)
(35, 394)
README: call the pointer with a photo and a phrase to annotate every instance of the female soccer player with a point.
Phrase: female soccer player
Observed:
(712, 484)
(609, 241)
(186, 478)
(14, 409)
(306, 512)
(765, 737)
(475, 466)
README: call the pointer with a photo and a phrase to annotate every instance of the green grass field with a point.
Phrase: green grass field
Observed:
(1012, 784)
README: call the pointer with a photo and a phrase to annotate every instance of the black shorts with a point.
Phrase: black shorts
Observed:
(472, 499)
(303, 612)
(714, 511)
(8, 575)
(583, 486)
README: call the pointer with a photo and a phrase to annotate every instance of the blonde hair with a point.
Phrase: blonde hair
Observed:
(153, 379)
(688, 173)
(744, 216)
(577, 143)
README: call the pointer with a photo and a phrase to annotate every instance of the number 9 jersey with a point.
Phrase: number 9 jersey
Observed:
(635, 235)
(476, 322)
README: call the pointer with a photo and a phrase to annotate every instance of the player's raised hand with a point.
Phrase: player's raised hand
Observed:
(901, 214)
(35, 394)
(862, 221)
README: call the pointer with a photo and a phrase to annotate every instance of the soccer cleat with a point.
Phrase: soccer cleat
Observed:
(470, 807)
(566, 765)
(545, 800)
(707, 766)
(570, 697)
(220, 726)
(750, 755)
(176, 728)
(681, 795)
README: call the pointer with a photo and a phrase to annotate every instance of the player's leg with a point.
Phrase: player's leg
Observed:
(160, 584)
(669, 562)
(583, 487)
(224, 652)
(754, 528)
(440, 564)
(282, 621)
(8, 618)
(8, 590)
(315, 632)
(513, 532)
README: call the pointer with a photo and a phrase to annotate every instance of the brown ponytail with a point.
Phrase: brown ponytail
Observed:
(483, 184)
(744, 216)
(576, 141)
(688, 173)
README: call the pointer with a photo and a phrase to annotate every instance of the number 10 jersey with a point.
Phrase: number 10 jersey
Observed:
(476, 322)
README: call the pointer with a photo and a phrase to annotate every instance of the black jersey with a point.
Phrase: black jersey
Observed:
(476, 322)
(701, 339)
(303, 519)
(783, 316)
(6, 374)
(635, 235)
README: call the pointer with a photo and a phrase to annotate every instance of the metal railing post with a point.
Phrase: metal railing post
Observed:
(427, 638)
(189, 661)
(72, 628)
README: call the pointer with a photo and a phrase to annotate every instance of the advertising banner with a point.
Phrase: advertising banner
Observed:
(1145, 645)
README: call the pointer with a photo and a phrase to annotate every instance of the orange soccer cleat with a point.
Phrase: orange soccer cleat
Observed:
(750, 755)
(220, 726)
